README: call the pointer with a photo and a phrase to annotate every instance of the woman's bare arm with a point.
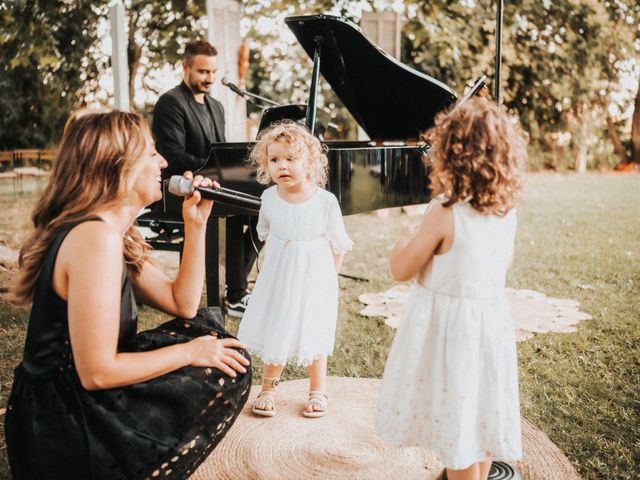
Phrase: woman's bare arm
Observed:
(181, 297)
(90, 263)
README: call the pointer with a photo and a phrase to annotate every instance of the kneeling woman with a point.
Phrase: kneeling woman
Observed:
(91, 398)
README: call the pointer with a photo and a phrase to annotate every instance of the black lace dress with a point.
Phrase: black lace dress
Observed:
(162, 428)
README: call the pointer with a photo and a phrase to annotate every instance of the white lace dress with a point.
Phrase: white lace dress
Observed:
(292, 311)
(450, 383)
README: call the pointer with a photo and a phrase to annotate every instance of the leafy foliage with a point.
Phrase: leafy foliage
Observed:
(157, 35)
(562, 60)
(46, 67)
(279, 67)
(563, 69)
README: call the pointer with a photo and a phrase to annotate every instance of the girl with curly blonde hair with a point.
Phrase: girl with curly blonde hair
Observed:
(450, 383)
(294, 305)
(301, 144)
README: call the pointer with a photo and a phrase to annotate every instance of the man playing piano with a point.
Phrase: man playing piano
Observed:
(186, 121)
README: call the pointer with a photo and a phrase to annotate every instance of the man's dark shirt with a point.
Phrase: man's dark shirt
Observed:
(206, 118)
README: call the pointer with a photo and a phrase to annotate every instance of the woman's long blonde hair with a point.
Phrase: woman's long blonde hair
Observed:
(480, 151)
(94, 168)
(300, 141)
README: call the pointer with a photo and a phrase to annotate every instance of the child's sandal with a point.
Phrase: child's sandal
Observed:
(316, 398)
(266, 398)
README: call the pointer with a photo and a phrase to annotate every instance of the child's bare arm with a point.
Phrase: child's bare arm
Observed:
(412, 251)
(337, 261)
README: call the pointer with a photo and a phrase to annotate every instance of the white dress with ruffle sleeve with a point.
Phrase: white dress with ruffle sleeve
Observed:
(292, 312)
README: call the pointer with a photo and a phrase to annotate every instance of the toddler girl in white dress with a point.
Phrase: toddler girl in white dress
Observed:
(292, 313)
(450, 383)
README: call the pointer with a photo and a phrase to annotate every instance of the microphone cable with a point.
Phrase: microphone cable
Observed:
(253, 243)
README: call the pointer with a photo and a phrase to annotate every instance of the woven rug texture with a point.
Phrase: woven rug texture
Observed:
(344, 445)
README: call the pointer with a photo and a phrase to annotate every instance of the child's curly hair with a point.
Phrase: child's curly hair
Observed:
(480, 151)
(300, 141)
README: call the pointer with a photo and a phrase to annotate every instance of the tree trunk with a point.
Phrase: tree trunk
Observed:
(635, 129)
(615, 139)
(134, 52)
(584, 117)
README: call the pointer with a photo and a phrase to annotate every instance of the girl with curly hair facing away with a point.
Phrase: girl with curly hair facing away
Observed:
(92, 398)
(292, 314)
(450, 383)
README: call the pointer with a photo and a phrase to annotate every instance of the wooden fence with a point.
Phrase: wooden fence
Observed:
(41, 158)
(19, 164)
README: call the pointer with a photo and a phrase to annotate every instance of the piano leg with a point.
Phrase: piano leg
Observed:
(212, 266)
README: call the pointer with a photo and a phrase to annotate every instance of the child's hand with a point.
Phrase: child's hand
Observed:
(410, 229)
(407, 232)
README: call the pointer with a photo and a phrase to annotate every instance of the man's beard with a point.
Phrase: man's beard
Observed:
(195, 87)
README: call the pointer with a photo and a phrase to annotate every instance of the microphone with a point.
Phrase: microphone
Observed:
(232, 86)
(183, 187)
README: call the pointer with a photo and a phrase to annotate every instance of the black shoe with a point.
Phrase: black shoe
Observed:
(236, 308)
(498, 471)
(503, 471)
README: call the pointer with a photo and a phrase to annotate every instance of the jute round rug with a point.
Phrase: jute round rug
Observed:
(344, 445)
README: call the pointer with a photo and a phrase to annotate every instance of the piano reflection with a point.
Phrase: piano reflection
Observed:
(393, 104)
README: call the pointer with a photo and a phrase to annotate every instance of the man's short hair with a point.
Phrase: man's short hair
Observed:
(198, 47)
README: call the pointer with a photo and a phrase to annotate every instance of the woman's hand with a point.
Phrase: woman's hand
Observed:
(209, 351)
(195, 209)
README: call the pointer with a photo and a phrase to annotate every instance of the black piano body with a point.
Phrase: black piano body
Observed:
(390, 101)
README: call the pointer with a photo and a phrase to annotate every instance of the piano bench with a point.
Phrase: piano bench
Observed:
(168, 229)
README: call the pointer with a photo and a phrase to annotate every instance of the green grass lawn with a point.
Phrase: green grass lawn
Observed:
(578, 237)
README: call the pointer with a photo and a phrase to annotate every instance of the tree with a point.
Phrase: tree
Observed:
(157, 34)
(46, 67)
(635, 129)
(562, 59)
(629, 14)
(280, 69)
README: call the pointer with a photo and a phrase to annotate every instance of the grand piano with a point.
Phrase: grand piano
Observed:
(391, 102)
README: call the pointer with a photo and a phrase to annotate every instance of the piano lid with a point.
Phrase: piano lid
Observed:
(389, 100)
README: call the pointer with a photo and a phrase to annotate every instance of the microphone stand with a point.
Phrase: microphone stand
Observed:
(248, 96)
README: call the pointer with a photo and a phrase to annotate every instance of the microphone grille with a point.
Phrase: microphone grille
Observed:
(178, 185)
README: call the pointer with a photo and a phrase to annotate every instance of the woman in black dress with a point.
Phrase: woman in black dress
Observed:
(91, 398)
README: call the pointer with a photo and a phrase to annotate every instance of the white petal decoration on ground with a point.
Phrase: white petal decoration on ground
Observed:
(532, 312)
(393, 321)
(372, 298)
(398, 291)
(375, 310)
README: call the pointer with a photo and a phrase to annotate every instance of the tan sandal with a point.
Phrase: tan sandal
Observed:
(267, 398)
(316, 398)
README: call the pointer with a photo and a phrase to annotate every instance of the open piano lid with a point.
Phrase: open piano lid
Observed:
(389, 100)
